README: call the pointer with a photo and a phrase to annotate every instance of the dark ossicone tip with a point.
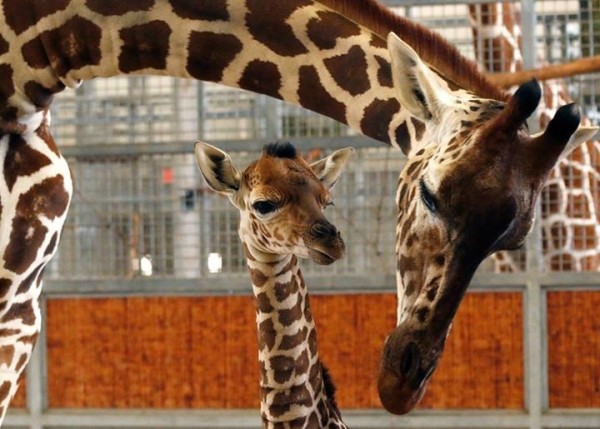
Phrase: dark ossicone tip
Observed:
(527, 98)
(563, 125)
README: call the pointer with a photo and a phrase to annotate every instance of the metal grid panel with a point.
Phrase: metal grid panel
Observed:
(133, 212)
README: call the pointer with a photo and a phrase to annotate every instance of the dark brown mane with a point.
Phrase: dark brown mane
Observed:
(431, 47)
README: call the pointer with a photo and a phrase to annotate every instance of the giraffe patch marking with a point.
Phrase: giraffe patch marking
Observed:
(119, 7)
(313, 95)
(3, 45)
(206, 10)
(210, 53)
(21, 15)
(328, 27)
(39, 95)
(145, 46)
(403, 137)
(72, 46)
(262, 77)
(4, 390)
(350, 71)
(5, 285)
(7, 354)
(20, 310)
(271, 29)
(7, 87)
(48, 199)
(384, 73)
(377, 117)
(21, 160)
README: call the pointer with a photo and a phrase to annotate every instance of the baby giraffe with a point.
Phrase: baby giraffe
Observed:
(281, 199)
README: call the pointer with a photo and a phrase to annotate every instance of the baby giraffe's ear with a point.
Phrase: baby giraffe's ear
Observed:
(217, 168)
(329, 169)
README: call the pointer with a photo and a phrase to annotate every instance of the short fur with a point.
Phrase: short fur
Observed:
(430, 46)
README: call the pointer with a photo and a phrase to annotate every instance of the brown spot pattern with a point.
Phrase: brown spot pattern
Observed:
(289, 316)
(271, 28)
(144, 46)
(350, 71)
(23, 14)
(328, 27)
(314, 96)
(403, 137)
(262, 77)
(299, 395)
(5, 285)
(47, 198)
(26, 237)
(4, 390)
(284, 290)
(377, 118)
(39, 95)
(266, 334)
(289, 342)
(210, 54)
(206, 10)
(3, 46)
(257, 277)
(20, 310)
(7, 354)
(263, 303)
(119, 7)
(21, 160)
(51, 245)
(384, 73)
(74, 45)
(283, 367)
(26, 284)
(7, 88)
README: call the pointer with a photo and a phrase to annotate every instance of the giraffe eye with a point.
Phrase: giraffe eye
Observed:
(427, 197)
(264, 206)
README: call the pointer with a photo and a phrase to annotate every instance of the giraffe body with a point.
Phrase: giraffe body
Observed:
(329, 56)
(281, 200)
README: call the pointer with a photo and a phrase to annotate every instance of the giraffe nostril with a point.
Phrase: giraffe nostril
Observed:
(410, 361)
(323, 229)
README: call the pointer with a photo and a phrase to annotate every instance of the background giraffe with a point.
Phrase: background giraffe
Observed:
(281, 199)
(570, 203)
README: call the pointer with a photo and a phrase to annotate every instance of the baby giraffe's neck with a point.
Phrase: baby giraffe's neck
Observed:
(294, 385)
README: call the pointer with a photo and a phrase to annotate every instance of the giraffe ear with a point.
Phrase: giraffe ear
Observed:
(217, 168)
(329, 169)
(418, 88)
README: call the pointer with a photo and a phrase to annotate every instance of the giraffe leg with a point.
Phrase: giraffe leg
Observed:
(35, 192)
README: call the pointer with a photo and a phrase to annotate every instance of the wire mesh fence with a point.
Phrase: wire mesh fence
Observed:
(153, 210)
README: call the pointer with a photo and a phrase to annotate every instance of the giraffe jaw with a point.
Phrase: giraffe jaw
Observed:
(326, 256)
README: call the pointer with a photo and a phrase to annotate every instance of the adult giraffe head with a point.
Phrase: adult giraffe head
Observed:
(469, 188)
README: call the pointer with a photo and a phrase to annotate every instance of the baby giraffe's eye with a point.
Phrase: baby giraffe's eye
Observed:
(264, 206)
(329, 203)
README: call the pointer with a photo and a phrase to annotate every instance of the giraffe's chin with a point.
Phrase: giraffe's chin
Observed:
(396, 394)
(321, 258)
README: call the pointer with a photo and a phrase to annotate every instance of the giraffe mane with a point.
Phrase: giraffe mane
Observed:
(329, 385)
(437, 52)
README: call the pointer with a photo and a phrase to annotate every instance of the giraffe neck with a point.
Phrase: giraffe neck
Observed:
(299, 51)
(293, 382)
